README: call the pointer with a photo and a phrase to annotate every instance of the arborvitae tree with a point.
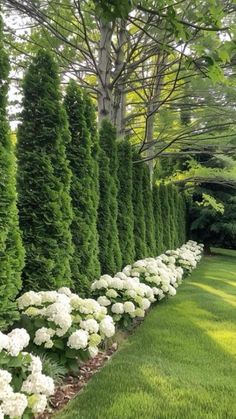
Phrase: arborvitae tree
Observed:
(85, 261)
(148, 211)
(44, 179)
(172, 217)
(182, 219)
(138, 208)
(109, 248)
(11, 249)
(158, 222)
(125, 219)
(165, 209)
(91, 121)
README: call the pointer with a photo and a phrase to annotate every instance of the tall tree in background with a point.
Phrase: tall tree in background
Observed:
(125, 206)
(44, 179)
(85, 263)
(138, 208)
(11, 249)
(110, 254)
(148, 211)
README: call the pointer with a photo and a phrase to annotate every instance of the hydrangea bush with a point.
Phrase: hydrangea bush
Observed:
(131, 292)
(24, 389)
(66, 324)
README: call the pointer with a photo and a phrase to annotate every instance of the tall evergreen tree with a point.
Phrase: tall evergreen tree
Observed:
(91, 121)
(172, 216)
(109, 248)
(44, 179)
(148, 211)
(85, 262)
(158, 222)
(11, 249)
(138, 208)
(125, 206)
(165, 210)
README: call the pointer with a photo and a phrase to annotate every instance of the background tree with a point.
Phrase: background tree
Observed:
(125, 219)
(11, 249)
(110, 254)
(44, 179)
(84, 264)
(165, 210)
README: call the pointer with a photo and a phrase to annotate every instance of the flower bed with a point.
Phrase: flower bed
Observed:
(71, 328)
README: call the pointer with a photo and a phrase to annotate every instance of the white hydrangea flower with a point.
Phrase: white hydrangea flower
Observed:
(78, 340)
(65, 290)
(38, 403)
(91, 325)
(38, 384)
(127, 270)
(14, 405)
(111, 293)
(172, 291)
(89, 306)
(129, 307)
(29, 298)
(145, 304)
(93, 351)
(121, 275)
(18, 339)
(1, 413)
(48, 296)
(139, 312)
(104, 301)
(107, 327)
(117, 283)
(94, 339)
(5, 377)
(4, 340)
(35, 365)
(43, 335)
(117, 308)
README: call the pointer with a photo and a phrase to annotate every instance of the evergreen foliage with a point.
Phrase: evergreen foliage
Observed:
(158, 222)
(148, 211)
(165, 211)
(85, 263)
(138, 208)
(91, 121)
(109, 248)
(125, 219)
(11, 248)
(44, 179)
(172, 216)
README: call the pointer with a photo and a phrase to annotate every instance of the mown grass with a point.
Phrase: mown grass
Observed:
(180, 363)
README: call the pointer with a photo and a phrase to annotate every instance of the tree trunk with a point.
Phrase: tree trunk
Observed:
(104, 72)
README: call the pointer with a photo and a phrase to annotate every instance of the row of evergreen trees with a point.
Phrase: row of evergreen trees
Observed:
(85, 201)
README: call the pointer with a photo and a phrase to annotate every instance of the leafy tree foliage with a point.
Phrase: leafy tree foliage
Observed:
(85, 263)
(110, 254)
(11, 249)
(44, 179)
(125, 206)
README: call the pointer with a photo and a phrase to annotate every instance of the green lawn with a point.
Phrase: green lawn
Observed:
(180, 363)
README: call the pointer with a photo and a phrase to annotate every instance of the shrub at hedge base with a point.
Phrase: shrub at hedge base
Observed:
(24, 390)
(71, 328)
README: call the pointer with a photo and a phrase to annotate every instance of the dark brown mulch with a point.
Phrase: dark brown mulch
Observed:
(71, 386)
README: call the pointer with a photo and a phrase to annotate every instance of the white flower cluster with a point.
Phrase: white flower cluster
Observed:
(81, 323)
(187, 256)
(132, 291)
(35, 388)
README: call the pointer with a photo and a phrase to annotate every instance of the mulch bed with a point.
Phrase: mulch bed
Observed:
(71, 386)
